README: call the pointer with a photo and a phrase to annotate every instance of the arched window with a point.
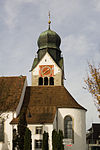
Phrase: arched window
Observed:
(68, 131)
(40, 81)
(45, 81)
(51, 81)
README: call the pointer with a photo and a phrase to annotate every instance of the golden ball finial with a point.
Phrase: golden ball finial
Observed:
(49, 22)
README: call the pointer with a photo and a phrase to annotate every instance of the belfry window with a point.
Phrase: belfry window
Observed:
(45, 81)
(1, 130)
(51, 81)
(40, 81)
(68, 130)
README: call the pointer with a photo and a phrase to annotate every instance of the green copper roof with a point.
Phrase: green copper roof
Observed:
(49, 39)
(61, 63)
(35, 62)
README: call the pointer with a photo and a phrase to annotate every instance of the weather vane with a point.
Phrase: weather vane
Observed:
(49, 22)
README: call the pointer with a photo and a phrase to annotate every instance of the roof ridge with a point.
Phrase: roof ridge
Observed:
(12, 76)
(41, 86)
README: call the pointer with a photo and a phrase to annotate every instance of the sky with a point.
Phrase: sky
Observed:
(78, 24)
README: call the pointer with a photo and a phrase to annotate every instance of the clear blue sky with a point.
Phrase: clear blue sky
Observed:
(78, 24)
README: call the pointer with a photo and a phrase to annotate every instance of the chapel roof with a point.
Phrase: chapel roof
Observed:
(50, 96)
(39, 115)
(42, 102)
(10, 92)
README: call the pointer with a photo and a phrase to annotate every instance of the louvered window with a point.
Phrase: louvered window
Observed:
(45, 81)
(40, 81)
(51, 81)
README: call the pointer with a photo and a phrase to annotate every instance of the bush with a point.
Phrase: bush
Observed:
(27, 140)
(45, 145)
(22, 125)
(57, 140)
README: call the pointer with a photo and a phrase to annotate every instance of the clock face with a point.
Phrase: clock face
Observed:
(46, 70)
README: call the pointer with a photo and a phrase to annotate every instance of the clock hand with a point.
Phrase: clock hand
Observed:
(46, 71)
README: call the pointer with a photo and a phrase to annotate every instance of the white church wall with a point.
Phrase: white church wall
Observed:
(55, 121)
(46, 127)
(47, 60)
(21, 100)
(79, 126)
(7, 144)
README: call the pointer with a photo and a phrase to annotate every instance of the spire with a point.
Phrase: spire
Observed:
(49, 22)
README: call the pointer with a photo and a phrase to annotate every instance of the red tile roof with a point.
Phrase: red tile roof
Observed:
(50, 96)
(42, 102)
(39, 115)
(10, 92)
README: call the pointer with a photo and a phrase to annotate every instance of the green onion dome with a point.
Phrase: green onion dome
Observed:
(49, 39)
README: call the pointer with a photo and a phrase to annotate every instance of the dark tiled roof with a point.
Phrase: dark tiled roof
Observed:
(50, 96)
(61, 63)
(42, 102)
(35, 62)
(94, 131)
(39, 115)
(10, 92)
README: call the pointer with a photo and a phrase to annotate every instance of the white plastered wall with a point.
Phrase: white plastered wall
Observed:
(55, 125)
(7, 144)
(47, 60)
(46, 127)
(79, 126)
(21, 100)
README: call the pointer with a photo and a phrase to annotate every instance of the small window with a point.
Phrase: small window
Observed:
(40, 81)
(68, 131)
(38, 130)
(51, 80)
(45, 81)
(38, 143)
(1, 131)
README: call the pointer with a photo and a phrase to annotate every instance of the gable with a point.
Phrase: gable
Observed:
(46, 60)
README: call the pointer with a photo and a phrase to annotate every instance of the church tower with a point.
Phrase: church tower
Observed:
(48, 68)
(50, 103)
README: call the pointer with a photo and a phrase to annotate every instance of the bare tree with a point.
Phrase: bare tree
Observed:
(93, 84)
